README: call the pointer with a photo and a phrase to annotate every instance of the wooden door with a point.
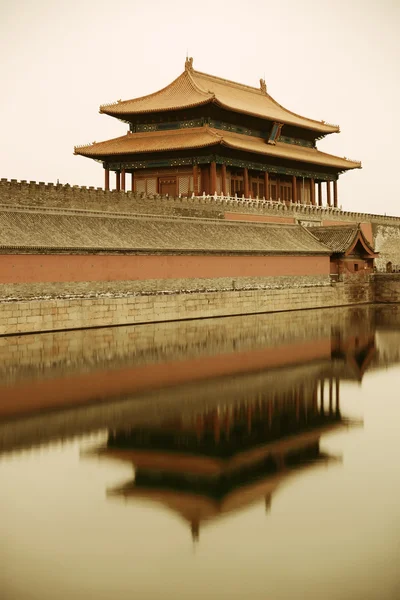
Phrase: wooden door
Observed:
(237, 186)
(167, 185)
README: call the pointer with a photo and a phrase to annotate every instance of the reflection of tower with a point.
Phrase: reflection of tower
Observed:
(332, 387)
(213, 461)
(195, 529)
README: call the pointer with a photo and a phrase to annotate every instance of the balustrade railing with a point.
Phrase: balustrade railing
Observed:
(260, 201)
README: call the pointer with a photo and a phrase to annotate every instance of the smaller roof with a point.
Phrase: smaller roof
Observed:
(342, 239)
(202, 137)
(193, 88)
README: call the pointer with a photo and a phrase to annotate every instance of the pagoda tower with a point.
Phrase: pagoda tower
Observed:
(204, 135)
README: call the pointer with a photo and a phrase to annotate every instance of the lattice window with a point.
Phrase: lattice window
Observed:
(151, 186)
(140, 186)
(219, 184)
(184, 183)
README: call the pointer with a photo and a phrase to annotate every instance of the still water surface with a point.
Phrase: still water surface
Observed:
(249, 457)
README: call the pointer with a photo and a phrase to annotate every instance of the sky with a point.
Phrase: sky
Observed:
(324, 59)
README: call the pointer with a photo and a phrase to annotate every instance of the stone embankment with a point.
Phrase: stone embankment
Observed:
(57, 314)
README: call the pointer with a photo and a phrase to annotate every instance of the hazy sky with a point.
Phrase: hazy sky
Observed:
(325, 59)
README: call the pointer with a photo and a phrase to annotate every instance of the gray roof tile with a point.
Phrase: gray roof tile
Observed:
(54, 230)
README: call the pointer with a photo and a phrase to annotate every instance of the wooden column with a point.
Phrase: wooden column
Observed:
(319, 185)
(294, 188)
(246, 182)
(335, 196)
(195, 180)
(117, 181)
(133, 181)
(223, 177)
(312, 191)
(328, 193)
(205, 180)
(213, 177)
(123, 180)
(106, 179)
(266, 185)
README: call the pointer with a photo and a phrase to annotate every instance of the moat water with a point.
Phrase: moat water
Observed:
(244, 458)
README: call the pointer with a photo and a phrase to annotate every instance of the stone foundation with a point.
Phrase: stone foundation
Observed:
(23, 316)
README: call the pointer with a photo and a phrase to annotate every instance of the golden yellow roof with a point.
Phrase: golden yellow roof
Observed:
(193, 88)
(200, 137)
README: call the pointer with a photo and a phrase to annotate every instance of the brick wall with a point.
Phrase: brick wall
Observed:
(57, 314)
(387, 243)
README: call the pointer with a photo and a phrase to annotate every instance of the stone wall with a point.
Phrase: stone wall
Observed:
(387, 288)
(387, 243)
(58, 314)
(96, 289)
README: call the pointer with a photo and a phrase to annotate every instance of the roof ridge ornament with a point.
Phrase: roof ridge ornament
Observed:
(189, 64)
(263, 86)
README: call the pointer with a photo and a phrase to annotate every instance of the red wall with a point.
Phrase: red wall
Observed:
(30, 268)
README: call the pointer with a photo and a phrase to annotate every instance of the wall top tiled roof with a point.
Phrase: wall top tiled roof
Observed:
(30, 230)
(193, 88)
(201, 137)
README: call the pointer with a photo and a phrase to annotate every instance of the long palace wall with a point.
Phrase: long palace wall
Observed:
(59, 290)
(42, 268)
(383, 231)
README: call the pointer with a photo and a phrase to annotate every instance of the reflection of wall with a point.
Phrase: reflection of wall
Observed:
(60, 353)
(388, 347)
(77, 368)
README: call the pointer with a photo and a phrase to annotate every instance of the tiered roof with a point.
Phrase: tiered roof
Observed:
(202, 137)
(193, 88)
